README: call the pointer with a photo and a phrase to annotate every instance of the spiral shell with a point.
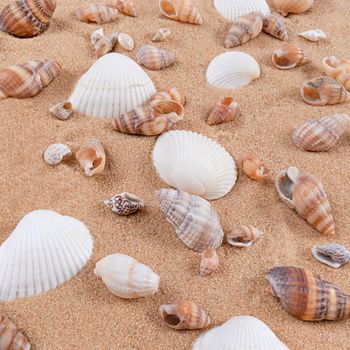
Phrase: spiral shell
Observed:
(125, 6)
(332, 254)
(225, 110)
(284, 7)
(180, 10)
(154, 58)
(313, 35)
(209, 263)
(10, 337)
(289, 57)
(91, 157)
(171, 93)
(96, 35)
(96, 13)
(62, 110)
(273, 24)
(125, 203)
(338, 69)
(105, 44)
(161, 35)
(244, 236)
(254, 168)
(56, 153)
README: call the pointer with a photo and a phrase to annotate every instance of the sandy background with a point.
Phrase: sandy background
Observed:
(83, 314)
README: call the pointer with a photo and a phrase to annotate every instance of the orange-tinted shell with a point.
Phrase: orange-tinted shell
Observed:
(209, 263)
(254, 168)
(274, 25)
(180, 10)
(96, 13)
(289, 57)
(10, 337)
(171, 94)
(244, 236)
(125, 6)
(284, 7)
(92, 158)
(62, 110)
(225, 110)
(338, 69)
(105, 44)
(155, 58)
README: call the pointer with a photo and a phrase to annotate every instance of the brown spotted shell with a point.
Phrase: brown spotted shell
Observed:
(155, 58)
(125, 203)
(62, 110)
(273, 24)
(209, 263)
(289, 57)
(284, 7)
(125, 6)
(332, 254)
(10, 337)
(224, 111)
(244, 236)
(338, 69)
(91, 157)
(180, 10)
(254, 168)
(96, 13)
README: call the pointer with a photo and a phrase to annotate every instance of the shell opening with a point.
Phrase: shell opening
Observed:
(285, 185)
(311, 94)
(67, 106)
(171, 319)
(227, 100)
(168, 8)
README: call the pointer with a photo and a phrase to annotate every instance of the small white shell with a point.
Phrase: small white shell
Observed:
(332, 254)
(56, 152)
(96, 36)
(232, 70)
(161, 35)
(313, 35)
(126, 41)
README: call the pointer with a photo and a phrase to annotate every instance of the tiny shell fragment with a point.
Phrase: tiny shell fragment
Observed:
(56, 153)
(161, 35)
(313, 35)
(209, 263)
(332, 254)
(10, 337)
(62, 110)
(244, 236)
(254, 168)
(126, 41)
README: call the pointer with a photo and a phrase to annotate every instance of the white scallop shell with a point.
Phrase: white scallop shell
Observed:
(55, 153)
(232, 70)
(113, 85)
(232, 9)
(194, 163)
(45, 250)
(240, 333)
(313, 34)
(126, 41)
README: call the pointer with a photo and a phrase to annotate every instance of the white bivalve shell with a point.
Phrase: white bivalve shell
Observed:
(45, 250)
(231, 70)
(56, 152)
(239, 333)
(113, 85)
(313, 35)
(194, 163)
(125, 277)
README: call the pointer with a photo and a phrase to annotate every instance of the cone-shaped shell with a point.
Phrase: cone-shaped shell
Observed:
(305, 194)
(338, 69)
(113, 85)
(239, 333)
(10, 337)
(91, 157)
(62, 110)
(194, 163)
(125, 277)
(225, 110)
(170, 93)
(184, 314)
(161, 35)
(254, 168)
(318, 135)
(125, 6)
(244, 236)
(332, 254)
(231, 70)
(180, 10)
(274, 25)
(194, 219)
(45, 250)
(313, 35)
(154, 58)
(209, 263)
(289, 57)
(125, 203)
(305, 296)
(284, 7)
(96, 13)
(27, 18)
(56, 153)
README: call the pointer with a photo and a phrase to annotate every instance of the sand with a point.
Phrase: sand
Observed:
(83, 314)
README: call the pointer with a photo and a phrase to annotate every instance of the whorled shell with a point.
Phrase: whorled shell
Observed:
(184, 314)
(125, 277)
(155, 58)
(318, 135)
(96, 13)
(126, 41)
(125, 6)
(332, 254)
(161, 35)
(209, 263)
(324, 91)
(244, 236)
(62, 110)
(105, 44)
(96, 35)
(56, 153)
(313, 35)
(91, 157)
(180, 10)
(273, 24)
(125, 203)
(170, 93)
(10, 337)
(27, 18)
(254, 168)
(194, 219)
(307, 297)
(28, 79)
(225, 110)
(289, 57)
(305, 194)
(244, 29)
(338, 69)
(284, 7)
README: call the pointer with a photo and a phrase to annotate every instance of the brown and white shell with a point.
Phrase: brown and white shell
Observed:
(125, 203)
(254, 168)
(273, 24)
(62, 110)
(224, 111)
(338, 69)
(209, 262)
(155, 58)
(332, 254)
(56, 153)
(126, 41)
(180, 10)
(96, 13)
(161, 35)
(105, 44)
(170, 93)
(124, 6)
(305, 194)
(244, 236)
(96, 35)
(289, 57)
(10, 337)
(284, 7)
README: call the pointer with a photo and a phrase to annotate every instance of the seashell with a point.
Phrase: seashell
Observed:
(331, 254)
(231, 70)
(232, 9)
(254, 168)
(56, 153)
(305, 194)
(313, 35)
(26, 18)
(169, 94)
(27, 79)
(125, 6)
(284, 7)
(180, 10)
(91, 157)
(273, 24)
(338, 69)
(105, 44)
(194, 219)
(194, 163)
(125, 277)
(289, 57)
(317, 135)
(184, 314)
(324, 91)
(161, 35)
(113, 85)
(62, 110)
(154, 58)
(307, 297)
(10, 337)
(126, 41)
(45, 250)
(244, 236)
(225, 110)
(125, 203)
(209, 263)
(239, 333)
(96, 36)
(96, 13)
(244, 29)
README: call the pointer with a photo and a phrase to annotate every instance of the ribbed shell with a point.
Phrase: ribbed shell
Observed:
(125, 6)
(209, 262)
(244, 236)
(338, 69)
(170, 93)
(231, 70)
(96, 13)
(10, 337)
(45, 250)
(113, 85)
(313, 35)
(125, 203)
(291, 6)
(105, 44)
(154, 58)
(180, 10)
(289, 57)
(332, 254)
(274, 25)
(224, 111)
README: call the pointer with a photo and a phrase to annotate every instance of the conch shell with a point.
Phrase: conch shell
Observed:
(254, 168)
(184, 314)
(27, 18)
(209, 263)
(225, 110)
(245, 28)
(289, 57)
(194, 219)
(105, 44)
(180, 10)
(161, 35)
(332, 254)
(338, 69)
(62, 110)
(170, 93)
(96, 13)
(92, 158)
(27, 79)
(273, 24)
(125, 203)
(155, 58)
(305, 296)
(125, 6)
(284, 7)
(305, 194)
(56, 153)
(10, 337)
(244, 236)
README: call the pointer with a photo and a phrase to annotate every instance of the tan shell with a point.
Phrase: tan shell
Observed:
(289, 57)
(96, 13)
(126, 41)
(96, 36)
(184, 314)
(105, 44)
(62, 110)
(91, 157)
(244, 236)
(180, 10)
(254, 168)
(324, 91)
(10, 337)
(161, 35)
(244, 28)
(125, 203)
(338, 69)
(225, 110)
(209, 263)
(125, 6)
(332, 254)
(273, 24)
(284, 7)
(154, 58)
(170, 93)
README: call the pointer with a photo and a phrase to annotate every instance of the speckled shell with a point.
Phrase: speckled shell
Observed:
(125, 203)
(284, 7)
(332, 254)
(180, 10)
(105, 44)
(126, 41)
(154, 58)
(225, 110)
(170, 93)
(209, 263)
(244, 236)
(96, 13)
(62, 110)
(244, 29)
(125, 6)
(184, 314)
(305, 296)
(254, 168)
(338, 69)
(273, 24)
(305, 194)
(289, 57)
(318, 135)
(27, 18)
(313, 35)
(194, 219)
(161, 35)
(56, 153)
(10, 337)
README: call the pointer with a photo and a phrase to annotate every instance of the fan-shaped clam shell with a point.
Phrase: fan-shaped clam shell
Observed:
(161, 35)
(56, 153)
(62, 110)
(154, 58)
(313, 35)
(170, 93)
(338, 69)
(91, 157)
(273, 24)
(96, 36)
(284, 7)
(288, 57)
(331, 254)
(125, 203)
(125, 6)
(244, 236)
(10, 337)
(180, 10)
(126, 41)
(96, 13)
(194, 163)
(254, 168)
(231, 70)
(225, 110)
(209, 263)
